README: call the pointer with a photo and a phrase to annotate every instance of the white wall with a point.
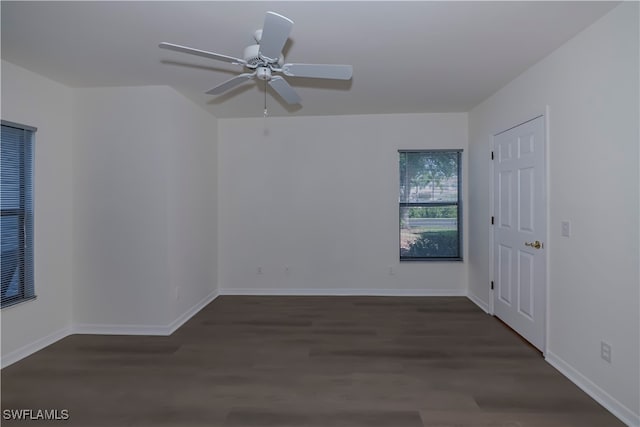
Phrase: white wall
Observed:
(120, 186)
(144, 185)
(192, 205)
(33, 100)
(126, 210)
(319, 196)
(591, 87)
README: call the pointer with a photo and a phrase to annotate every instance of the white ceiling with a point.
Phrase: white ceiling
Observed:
(408, 57)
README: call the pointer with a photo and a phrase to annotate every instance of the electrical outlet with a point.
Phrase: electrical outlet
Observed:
(566, 228)
(605, 351)
(287, 270)
(259, 270)
(392, 272)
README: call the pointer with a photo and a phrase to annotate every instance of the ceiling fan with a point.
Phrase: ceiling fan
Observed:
(265, 59)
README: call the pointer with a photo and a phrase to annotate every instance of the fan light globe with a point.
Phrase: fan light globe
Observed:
(263, 73)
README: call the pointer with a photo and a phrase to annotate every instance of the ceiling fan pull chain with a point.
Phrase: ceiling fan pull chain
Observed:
(265, 99)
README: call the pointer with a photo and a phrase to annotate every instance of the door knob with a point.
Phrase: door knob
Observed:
(536, 244)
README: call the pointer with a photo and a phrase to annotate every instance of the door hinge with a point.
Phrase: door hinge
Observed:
(492, 155)
(492, 220)
(492, 285)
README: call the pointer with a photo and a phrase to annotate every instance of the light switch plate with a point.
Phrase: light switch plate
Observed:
(566, 228)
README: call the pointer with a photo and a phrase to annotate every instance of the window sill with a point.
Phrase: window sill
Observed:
(19, 302)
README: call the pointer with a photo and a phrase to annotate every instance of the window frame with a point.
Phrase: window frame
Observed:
(457, 203)
(26, 218)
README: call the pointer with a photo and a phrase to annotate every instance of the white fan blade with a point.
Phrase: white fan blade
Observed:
(275, 32)
(318, 71)
(231, 83)
(202, 53)
(283, 89)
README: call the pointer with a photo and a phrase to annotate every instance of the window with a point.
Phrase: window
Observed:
(16, 205)
(430, 205)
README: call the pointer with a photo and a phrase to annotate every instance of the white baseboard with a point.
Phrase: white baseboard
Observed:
(599, 395)
(105, 329)
(477, 301)
(348, 292)
(163, 330)
(34, 346)
(184, 317)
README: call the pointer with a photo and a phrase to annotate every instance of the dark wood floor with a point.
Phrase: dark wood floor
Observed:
(306, 361)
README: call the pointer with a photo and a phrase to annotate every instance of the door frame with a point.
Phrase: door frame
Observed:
(545, 114)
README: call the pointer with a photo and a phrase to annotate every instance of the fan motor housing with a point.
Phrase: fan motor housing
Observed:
(254, 59)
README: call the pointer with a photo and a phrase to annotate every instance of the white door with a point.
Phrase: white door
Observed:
(520, 227)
